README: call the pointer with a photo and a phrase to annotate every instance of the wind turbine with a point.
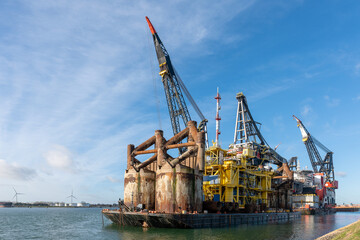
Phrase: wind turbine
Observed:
(16, 194)
(71, 196)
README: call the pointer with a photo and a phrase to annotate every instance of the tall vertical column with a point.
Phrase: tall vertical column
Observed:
(200, 158)
(159, 146)
(193, 130)
(217, 118)
(130, 149)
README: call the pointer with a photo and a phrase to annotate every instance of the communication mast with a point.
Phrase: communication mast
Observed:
(217, 118)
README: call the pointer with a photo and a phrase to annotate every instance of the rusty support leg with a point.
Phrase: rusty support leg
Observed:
(180, 145)
(191, 125)
(193, 130)
(183, 156)
(148, 161)
(130, 160)
(160, 148)
(145, 144)
(135, 153)
(178, 137)
(200, 158)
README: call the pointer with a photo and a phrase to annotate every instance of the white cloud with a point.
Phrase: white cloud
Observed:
(268, 91)
(306, 110)
(341, 174)
(114, 180)
(61, 158)
(332, 102)
(278, 122)
(310, 75)
(16, 172)
(357, 68)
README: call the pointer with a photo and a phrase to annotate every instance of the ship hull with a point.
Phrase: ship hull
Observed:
(316, 211)
(194, 220)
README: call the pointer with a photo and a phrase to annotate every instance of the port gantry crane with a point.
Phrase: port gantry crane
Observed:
(173, 86)
(319, 165)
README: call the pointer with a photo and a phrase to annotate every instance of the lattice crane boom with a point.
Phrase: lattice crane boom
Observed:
(245, 127)
(246, 130)
(173, 85)
(319, 164)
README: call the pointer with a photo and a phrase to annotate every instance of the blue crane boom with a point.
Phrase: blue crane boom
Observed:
(173, 85)
(319, 165)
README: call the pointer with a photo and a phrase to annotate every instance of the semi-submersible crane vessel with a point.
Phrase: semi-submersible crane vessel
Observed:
(204, 186)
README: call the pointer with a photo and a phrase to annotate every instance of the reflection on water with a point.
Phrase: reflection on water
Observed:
(62, 223)
(308, 227)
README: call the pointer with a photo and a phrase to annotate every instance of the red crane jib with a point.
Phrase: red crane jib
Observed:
(152, 29)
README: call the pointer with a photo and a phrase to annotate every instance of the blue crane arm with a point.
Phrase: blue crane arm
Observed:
(173, 85)
(319, 164)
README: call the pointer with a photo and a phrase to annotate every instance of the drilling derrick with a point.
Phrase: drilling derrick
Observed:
(173, 85)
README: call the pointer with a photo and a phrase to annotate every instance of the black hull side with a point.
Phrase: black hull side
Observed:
(195, 220)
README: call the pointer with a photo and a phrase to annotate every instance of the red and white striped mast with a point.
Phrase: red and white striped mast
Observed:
(217, 118)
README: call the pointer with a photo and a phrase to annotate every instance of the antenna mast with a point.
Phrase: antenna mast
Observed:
(217, 118)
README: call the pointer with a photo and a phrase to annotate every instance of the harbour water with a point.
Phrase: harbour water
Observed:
(86, 223)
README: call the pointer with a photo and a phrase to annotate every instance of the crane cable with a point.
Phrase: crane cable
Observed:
(189, 97)
(204, 121)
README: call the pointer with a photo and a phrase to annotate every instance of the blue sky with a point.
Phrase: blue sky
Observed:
(79, 81)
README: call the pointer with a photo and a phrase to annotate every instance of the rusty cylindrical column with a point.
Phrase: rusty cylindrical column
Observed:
(160, 148)
(200, 158)
(193, 130)
(130, 149)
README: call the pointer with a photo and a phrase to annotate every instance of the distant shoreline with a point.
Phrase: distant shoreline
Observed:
(42, 205)
(53, 207)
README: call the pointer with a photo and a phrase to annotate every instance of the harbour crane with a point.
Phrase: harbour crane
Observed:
(319, 165)
(173, 85)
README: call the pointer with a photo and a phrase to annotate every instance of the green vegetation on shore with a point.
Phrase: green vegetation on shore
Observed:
(351, 231)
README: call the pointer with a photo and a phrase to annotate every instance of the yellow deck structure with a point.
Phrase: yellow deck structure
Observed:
(233, 176)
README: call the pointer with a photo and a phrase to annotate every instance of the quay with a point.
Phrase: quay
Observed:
(347, 208)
